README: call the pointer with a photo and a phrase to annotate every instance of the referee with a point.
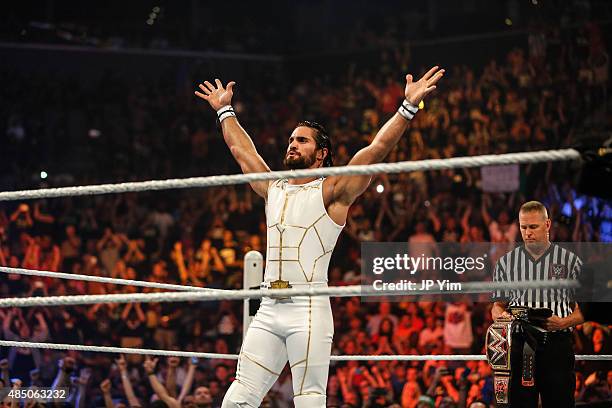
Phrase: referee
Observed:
(540, 259)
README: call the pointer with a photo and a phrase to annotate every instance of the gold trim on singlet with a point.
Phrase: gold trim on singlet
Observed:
(307, 393)
(281, 227)
(299, 362)
(319, 236)
(314, 266)
(308, 343)
(280, 238)
(261, 365)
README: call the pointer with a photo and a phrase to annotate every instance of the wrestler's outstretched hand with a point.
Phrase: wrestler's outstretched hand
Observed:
(217, 96)
(416, 91)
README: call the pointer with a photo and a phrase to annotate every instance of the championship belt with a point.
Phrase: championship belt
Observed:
(498, 343)
(524, 321)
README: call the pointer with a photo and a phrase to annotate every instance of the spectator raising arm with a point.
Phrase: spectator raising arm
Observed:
(179, 259)
(484, 209)
(42, 217)
(465, 223)
(173, 363)
(6, 327)
(127, 385)
(193, 363)
(22, 213)
(347, 394)
(105, 386)
(447, 382)
(66, 366)
(149, 367)
(42, 334)
(81, 383)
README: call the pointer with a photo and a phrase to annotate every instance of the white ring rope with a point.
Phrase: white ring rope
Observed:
(102, 279)
(152, 352)
(106, 349)
(334, 291)
(399, 167)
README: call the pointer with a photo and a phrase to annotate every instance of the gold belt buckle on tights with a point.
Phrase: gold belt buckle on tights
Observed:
(280, 284)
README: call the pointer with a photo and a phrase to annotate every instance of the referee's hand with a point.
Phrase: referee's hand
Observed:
(554, 323)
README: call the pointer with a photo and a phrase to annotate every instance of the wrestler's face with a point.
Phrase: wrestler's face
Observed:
(302, 152)
(534, 227)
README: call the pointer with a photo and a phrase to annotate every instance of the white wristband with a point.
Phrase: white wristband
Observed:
(225, 112)
(407, 110)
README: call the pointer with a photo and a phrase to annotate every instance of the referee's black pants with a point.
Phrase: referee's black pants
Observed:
(555, 379)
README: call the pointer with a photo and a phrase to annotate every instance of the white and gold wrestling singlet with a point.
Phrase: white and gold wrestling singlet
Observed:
(301, 238)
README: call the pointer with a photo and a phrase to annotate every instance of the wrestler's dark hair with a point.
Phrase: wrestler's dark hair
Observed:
(321, 139)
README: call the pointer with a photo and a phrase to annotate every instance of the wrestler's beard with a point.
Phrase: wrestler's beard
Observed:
(299, 162)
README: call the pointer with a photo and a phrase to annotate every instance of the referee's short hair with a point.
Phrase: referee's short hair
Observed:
(534, 206)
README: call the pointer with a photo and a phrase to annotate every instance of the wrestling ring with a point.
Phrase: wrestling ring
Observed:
(253, 262)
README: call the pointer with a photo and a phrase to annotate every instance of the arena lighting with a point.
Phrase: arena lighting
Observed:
(508, 21)
(43, 174)
(153, 15)
(380, 188)
(94, 133)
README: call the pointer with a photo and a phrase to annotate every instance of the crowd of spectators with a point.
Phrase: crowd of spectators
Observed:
(534, 99)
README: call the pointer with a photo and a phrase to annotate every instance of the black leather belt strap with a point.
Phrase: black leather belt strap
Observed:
(524, 322)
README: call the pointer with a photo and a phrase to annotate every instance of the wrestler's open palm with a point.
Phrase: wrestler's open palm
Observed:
(217, 96)
(416, 91)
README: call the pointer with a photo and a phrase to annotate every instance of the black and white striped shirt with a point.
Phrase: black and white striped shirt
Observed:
(555, 263)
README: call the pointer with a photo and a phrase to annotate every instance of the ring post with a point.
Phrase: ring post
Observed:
(252, 277)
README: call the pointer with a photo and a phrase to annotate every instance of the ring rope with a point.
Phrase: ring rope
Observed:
(222, 180)
(335, 291)
(102, 279)
(153, 352)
